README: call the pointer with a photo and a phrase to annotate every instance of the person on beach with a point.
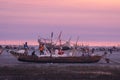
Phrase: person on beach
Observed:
(33, 54)
(26, 48)
(110, 50)
(41, 48)
(60, 52)
(106, 57)
(93, 50)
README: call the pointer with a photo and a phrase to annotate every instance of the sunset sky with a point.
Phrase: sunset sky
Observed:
(91, 20)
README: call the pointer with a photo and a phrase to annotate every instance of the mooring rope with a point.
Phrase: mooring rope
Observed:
(114, 61)
(107, 59)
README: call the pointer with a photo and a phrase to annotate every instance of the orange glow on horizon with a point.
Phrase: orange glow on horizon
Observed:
(84, 43)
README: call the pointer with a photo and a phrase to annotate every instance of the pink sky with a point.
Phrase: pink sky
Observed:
(91, 20)
(60, 11)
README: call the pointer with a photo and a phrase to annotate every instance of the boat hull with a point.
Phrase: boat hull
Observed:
(53, 59)
(89, 59)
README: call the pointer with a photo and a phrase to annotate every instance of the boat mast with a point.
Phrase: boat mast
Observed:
(76, 42)
(51, 45)
(59, 38)
(51, 37)
(69, 39)
(75, 46)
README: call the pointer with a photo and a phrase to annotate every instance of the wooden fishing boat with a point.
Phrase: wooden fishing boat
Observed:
(1, 51)
(59, 59)
(16, 54)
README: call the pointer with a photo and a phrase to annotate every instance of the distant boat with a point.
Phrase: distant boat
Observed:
(1, 50)
(53, 59)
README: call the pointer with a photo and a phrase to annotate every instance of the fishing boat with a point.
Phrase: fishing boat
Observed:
(1, 50)
(51, 57)
(54, 59)
(17, 54)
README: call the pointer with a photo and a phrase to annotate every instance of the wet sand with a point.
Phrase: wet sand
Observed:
(11, 69)
(59, 72)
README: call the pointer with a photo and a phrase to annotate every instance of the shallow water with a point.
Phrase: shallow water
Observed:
(12, 69)
(6, 59)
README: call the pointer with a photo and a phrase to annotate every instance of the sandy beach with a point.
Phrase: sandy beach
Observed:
(12, 69)
(59, 72)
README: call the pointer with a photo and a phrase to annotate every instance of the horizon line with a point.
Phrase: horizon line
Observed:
(35, 42)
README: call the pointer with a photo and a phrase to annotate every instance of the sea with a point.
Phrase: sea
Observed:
(6, 59)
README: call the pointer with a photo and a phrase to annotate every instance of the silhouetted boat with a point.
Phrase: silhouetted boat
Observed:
(1, 50)
(58, 59)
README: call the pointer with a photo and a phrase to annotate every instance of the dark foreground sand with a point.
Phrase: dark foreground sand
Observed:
(12, 69)
(56, 72)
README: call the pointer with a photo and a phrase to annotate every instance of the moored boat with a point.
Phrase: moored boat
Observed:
(1, 50)
(16, 54)
(58, 59)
